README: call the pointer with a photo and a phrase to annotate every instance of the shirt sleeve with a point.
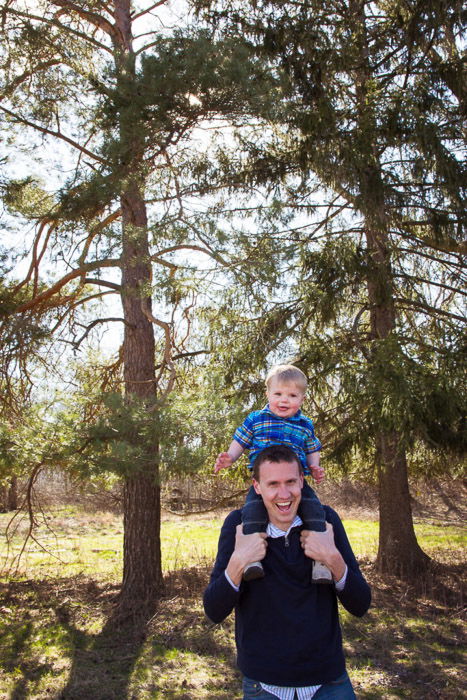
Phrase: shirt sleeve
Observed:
(244, 433)
(355, 596)
(340, 584)
(220, 597)
(312, 443)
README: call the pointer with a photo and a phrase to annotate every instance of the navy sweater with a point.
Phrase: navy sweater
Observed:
(287, 629)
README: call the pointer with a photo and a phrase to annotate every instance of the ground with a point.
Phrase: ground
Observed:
(58, 639)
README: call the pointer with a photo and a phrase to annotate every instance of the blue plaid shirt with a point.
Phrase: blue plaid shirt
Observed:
(263, 428)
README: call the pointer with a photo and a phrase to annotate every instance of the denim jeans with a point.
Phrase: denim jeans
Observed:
(340, 689)
(255, 516)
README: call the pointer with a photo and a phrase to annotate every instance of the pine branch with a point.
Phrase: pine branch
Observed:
(430, 310)
(54, 23)
(11, 87)
(92, 17)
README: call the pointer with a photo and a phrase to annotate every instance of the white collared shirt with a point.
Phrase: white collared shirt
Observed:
(283, 692)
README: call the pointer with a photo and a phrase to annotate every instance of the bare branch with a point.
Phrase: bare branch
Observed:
(92, 17)
(97, 229)
(167, 361)
(96, 322)
(33, 268)
(150, 9)
(359, 344)
(102, 283)
(431, 282)
(198, 248)
(431, 310)
(55, 134)
(41, 299)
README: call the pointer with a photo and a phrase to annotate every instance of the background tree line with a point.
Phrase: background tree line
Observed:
(264, 181)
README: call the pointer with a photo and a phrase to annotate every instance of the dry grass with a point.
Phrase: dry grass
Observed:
(57, 640)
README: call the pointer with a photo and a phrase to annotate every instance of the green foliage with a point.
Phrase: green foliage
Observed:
(27, 197)
(122, 438)
(389, 245)
(31, 440)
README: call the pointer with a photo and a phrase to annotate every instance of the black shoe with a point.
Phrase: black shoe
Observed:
(253, 571)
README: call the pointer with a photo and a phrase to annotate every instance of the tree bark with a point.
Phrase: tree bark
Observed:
(9, 496)
(398, 552)
(142, 571)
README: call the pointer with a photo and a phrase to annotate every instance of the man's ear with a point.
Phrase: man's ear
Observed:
(256, 487)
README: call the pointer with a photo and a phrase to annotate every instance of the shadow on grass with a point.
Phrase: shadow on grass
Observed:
(59, 641)
(102, 664)
(62, 634)
(412, 643)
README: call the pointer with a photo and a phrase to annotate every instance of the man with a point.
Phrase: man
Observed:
(287, 631)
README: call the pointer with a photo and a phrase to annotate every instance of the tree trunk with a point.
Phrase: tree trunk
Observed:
(9, 496)
(398, 549)
(12, 496)
(142, 570)
(398, 552)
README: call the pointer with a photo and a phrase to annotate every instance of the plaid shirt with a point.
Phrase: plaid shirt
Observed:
(263, 428)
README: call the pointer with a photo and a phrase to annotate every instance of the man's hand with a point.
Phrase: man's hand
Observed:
(321, 547)
(223, 461)
(317, 473)
(248, 548)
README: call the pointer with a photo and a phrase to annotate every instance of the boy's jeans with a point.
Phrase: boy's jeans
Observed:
(255, 516)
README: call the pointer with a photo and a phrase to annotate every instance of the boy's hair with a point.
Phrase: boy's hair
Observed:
(287, 374)
(275, 454)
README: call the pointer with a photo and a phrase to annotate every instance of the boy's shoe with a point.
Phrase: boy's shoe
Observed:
(321, 573)
(252, 571)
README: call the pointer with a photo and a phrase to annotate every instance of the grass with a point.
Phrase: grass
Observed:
(56, 642)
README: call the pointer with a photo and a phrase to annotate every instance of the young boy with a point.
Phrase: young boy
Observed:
(280, 423)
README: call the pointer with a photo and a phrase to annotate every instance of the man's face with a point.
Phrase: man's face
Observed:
(280, 485)
(285, 398)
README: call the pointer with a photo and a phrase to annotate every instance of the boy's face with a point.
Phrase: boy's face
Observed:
(285, 398)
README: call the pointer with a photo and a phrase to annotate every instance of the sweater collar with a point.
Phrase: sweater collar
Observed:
(274, 532)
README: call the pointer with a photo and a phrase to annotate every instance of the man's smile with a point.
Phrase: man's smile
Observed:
(284, 505)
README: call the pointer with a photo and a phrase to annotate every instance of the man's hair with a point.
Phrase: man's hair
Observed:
(287, 374)
(275, 454)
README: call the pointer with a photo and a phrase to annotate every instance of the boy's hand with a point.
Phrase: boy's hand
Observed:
(317, 473)
(223, 461)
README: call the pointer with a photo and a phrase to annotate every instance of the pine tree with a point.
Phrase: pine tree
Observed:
(117, 101)
(370, 110)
